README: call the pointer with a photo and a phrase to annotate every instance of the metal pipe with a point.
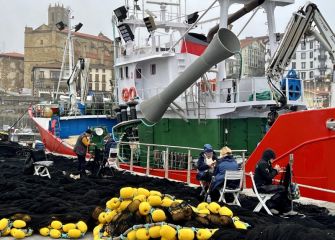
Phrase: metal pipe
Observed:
(248, 7)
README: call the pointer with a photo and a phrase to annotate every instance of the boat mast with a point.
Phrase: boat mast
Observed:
(68, 50)
(224, 6)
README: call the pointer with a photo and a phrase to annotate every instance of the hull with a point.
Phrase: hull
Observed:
(69, 127)
(304, 135)
(239, 133)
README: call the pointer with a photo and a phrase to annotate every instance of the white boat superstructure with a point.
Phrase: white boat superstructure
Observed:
(151, 54)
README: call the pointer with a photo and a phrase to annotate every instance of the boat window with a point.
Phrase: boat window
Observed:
(127, 72)
(138, 73)
(121, 73)
(153, 69)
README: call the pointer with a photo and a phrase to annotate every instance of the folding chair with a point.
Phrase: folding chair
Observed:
(231, 176)
(41, 163)
(262, 197)
(41, 168)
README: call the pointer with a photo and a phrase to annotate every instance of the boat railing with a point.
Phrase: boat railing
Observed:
(95, 108)
(251, 90)
(175, 162)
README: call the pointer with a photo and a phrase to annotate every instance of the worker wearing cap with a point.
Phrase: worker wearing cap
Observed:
(81, 147)
(206, 163)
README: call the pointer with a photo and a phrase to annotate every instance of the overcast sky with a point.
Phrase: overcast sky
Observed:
(96, 17)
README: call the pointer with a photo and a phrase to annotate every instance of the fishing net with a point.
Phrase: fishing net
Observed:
(70, 200)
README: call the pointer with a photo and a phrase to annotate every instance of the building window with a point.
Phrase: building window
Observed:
(153, 69)
(127, 72)
(121, 73)
(311, 65)
(103, 70)
(310, 54)
(90, 86)
(294, 56)
(303, 46)
(138, 73)
(90, 79)
(311, 44)
(96, 86)
(54, 74)
(97, 70)
(104, 78)
(303, 65)
(294, 65)
(41, 74)
(303, 55)
(311, 74)
(104, 87)
(41, 42)
(97, 77)
(303, 75)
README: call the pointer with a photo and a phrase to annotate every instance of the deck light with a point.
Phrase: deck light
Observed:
(150, 23)
(126, 32)
(121, 13)
(191, 18)
(78, 27)
(60, 25)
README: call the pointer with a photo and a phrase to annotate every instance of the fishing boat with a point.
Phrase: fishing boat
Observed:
(177, 83)
(68, 115)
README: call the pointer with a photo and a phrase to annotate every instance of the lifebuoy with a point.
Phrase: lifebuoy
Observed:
(125, 94)
(204, 88)
(132, 93)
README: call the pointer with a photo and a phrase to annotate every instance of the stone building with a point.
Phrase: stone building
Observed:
(253, 57)
(11, 71)
(44, 47)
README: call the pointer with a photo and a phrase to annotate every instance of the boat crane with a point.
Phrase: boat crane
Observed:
(301, 23)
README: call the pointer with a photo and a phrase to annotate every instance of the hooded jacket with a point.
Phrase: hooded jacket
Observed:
(264, 172)
(226, 163)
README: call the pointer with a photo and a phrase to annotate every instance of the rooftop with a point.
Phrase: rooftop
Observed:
(12, 54)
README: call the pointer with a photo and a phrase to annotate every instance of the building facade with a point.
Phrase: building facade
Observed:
(44, 48)
(315, 68)
(11, 71)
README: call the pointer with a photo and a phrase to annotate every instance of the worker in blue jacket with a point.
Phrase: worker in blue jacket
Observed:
(226, 162)
(206, 164)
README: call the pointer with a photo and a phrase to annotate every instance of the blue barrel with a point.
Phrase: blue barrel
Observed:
(294, 85)
(81, 108)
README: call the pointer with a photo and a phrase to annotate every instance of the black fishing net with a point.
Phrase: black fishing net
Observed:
(70, 200)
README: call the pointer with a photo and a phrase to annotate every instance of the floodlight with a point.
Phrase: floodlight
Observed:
(126, 32)
(78, 27)
(60, 25)
(150, 23)
(121, 13)
(191, 18)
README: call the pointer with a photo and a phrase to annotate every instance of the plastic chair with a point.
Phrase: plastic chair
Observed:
(262, 197)
(232, 176)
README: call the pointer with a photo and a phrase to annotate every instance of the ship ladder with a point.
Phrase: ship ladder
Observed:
(181, 64)
(190, 100)
(202, 103)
